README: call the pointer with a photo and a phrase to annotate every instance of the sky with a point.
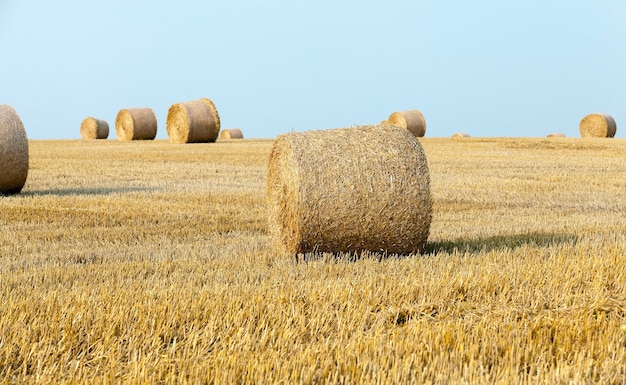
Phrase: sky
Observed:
(486, 68)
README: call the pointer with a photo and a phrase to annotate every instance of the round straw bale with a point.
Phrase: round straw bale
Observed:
(192, 122)
(136, 124)
(556, 135)
(460, 135)
(231, 133)
(598, 126)
(92, 128)
(412, 120)
(216, 115)
(13, 152)
(349, 190)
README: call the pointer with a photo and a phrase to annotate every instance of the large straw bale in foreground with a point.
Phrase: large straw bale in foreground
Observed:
(412, 120)
(92, 128)
(216, 115)
(136, 124)
(598, 126)
(231, 133)
(349, 190)
(13, 152)
(194, 121)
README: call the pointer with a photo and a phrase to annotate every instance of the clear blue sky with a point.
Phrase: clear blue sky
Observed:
(487, 68)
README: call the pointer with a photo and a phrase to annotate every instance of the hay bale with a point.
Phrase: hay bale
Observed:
(136, 124)
(231, 133)
(460, 135)
(556, 135)
(92, 128)
(598, 126)
(349, 190)
(13, 152)
(216, 115)
(412, 120)
(192, 122)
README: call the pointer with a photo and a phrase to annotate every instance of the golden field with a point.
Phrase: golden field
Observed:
(150, 263)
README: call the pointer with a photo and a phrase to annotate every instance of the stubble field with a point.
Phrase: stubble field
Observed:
(150, 263)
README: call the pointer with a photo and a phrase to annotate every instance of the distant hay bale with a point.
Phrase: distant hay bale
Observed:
(92, 128)
(13, 152)
(349, 190)
(136, 124)
(192, 122)
(556, 135)
(412, 120)
(598, 126)
(231, 133)
(460, 135)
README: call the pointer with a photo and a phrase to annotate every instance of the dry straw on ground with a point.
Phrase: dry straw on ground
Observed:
(13, 152)
(556, 135)
(598, 126)
(136, 124)
(231, 133)
(349, 190)
(195, 121)
(460, 135)
(92, 128)
(412, 120)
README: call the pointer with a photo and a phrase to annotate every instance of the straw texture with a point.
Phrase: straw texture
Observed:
(192, 122)
(13, 152)
(216, 115)
(412, 120)
(231, 133)
(92, 128)
(349, 190)
(136, 124)
(598, 126)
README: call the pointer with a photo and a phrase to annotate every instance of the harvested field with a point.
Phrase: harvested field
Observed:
(158, 268)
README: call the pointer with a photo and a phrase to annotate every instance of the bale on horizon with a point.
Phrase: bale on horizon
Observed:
(598, 126)
(13, 152)
(412, 120)
(136, 124)
(556, 135)
(349, 190)
(195, 121)
(92, 128)
(231, 133)
(460, 135)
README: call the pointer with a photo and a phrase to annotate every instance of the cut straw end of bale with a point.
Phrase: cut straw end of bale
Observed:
(192, 122)
(412, 120)
(598, 126)
(136, 124)
(231, 133)
(349, 190)
(13, 152)
(92, 128)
